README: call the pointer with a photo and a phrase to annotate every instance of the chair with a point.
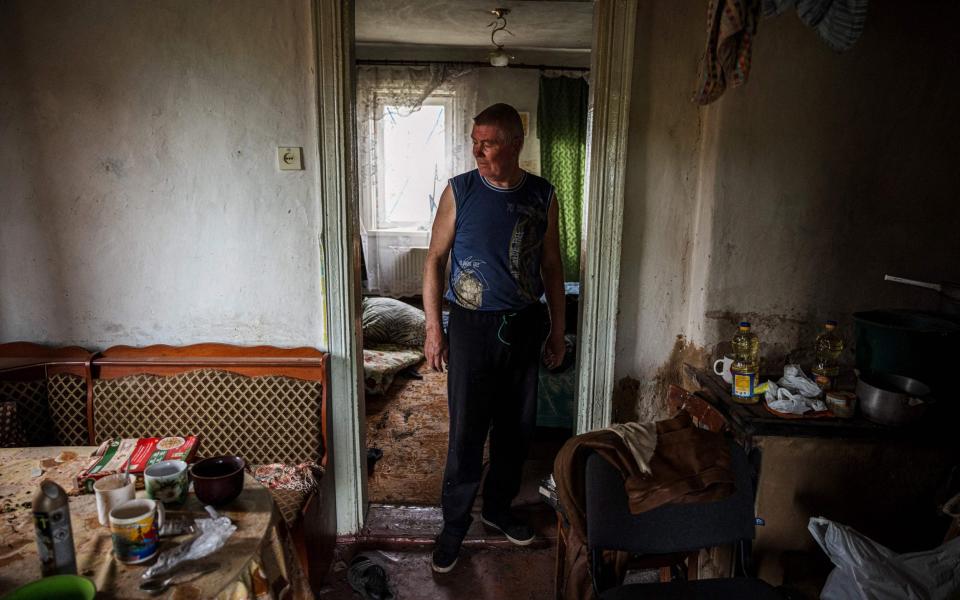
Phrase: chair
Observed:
(671, 529)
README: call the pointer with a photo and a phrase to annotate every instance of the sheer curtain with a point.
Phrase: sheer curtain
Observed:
(393, 256)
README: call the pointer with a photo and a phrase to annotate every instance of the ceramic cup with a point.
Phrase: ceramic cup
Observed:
(722, 368)
(135, 527)
(112, 490)
(167, 481)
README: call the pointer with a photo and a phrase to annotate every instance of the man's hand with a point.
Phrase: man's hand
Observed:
(554, 350)
(435, 349)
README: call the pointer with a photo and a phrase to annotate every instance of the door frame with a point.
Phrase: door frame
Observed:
(611, 78)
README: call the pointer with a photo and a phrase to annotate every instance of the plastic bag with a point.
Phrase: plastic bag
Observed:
(214, 533)
(795, 393)
(866, 569)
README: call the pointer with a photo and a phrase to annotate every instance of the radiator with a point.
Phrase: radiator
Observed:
(401, 274)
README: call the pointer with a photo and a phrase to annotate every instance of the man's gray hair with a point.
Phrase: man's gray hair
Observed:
(505, 118)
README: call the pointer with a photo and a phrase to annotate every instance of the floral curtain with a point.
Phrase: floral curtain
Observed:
(562, 125)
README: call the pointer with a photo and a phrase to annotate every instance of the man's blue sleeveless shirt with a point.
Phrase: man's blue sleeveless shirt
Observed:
(495, 259)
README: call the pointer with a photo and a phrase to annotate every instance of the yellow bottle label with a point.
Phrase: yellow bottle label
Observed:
(743, 384)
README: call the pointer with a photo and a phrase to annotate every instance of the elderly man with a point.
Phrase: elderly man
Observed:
(498, 224)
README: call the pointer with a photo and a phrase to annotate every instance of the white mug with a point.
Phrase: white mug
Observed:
(112, 491)
(724, 370)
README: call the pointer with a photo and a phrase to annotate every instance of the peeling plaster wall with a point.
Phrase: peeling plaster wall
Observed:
(141, 198)
(788, 199)
(660, 198)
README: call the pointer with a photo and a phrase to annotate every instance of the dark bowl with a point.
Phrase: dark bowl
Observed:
(218, 480)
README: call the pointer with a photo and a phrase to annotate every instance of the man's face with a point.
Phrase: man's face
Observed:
(497, 157)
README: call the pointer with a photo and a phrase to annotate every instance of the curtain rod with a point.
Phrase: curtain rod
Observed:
(426, 63)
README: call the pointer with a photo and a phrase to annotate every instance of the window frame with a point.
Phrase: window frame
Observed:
(373, 194)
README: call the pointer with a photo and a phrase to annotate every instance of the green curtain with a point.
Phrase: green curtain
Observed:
(562, 129)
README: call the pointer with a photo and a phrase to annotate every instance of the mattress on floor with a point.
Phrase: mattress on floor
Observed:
(382, 362)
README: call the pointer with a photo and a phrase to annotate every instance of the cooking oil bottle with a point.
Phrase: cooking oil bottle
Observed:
(746, 365)
(828, 347)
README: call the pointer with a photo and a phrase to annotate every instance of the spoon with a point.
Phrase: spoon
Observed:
(158, 585)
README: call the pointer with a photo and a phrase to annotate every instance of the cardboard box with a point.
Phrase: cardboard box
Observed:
(112, 456)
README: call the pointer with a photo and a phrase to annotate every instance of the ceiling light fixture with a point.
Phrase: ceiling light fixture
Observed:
(498, 57)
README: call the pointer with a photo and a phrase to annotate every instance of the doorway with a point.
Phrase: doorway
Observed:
(421, 77)
(614, 22)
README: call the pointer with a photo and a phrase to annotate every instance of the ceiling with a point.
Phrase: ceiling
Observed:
(535, 24)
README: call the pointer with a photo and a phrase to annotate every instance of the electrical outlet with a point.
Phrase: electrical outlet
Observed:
(290, 159)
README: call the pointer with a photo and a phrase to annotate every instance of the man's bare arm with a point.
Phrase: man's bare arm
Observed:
(551, 271)
(441, 240)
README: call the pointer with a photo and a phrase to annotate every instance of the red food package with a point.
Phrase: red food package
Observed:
(112, 456)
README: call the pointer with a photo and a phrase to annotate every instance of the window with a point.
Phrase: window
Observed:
(415, 160)
(405, 157)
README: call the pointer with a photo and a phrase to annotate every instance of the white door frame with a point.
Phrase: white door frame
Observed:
(611, 73)
(340, 248)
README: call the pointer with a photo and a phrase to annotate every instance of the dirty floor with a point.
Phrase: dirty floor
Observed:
(400, 539)
(480, 574)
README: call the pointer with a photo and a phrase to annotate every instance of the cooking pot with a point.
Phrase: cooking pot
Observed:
(891, 399)
(925, 346)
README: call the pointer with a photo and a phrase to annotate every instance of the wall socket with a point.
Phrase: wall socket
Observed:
(290, 158)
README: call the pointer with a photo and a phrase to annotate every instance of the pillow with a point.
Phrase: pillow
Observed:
(389, 321)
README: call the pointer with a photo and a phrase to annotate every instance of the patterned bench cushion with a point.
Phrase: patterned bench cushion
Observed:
(269, 419)
(291, 486)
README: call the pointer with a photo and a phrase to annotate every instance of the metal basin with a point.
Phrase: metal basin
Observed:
(891, 399)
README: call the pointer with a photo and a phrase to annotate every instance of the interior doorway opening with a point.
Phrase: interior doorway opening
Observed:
(420, 80)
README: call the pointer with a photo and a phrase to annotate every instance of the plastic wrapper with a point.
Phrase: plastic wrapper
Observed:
(794, 393)
(212, 534)
(866, 569)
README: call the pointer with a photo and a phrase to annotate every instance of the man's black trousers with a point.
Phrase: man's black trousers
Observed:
(491, 386)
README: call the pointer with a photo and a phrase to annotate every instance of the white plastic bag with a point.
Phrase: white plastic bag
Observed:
(865, 569)
(213, 534)
(795, 393)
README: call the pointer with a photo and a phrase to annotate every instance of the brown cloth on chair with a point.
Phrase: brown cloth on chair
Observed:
(689, 465)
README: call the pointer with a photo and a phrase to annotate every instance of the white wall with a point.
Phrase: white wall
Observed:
(141, 199)
(520, 88)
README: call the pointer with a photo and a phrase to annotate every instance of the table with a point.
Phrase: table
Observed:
(882, 481)
(257, 559)
(755, 420)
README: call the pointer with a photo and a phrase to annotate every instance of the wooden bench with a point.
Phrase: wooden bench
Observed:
(266, 404)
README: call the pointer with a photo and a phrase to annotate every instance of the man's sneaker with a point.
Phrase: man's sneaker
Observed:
(516, 530)
(446, 551)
